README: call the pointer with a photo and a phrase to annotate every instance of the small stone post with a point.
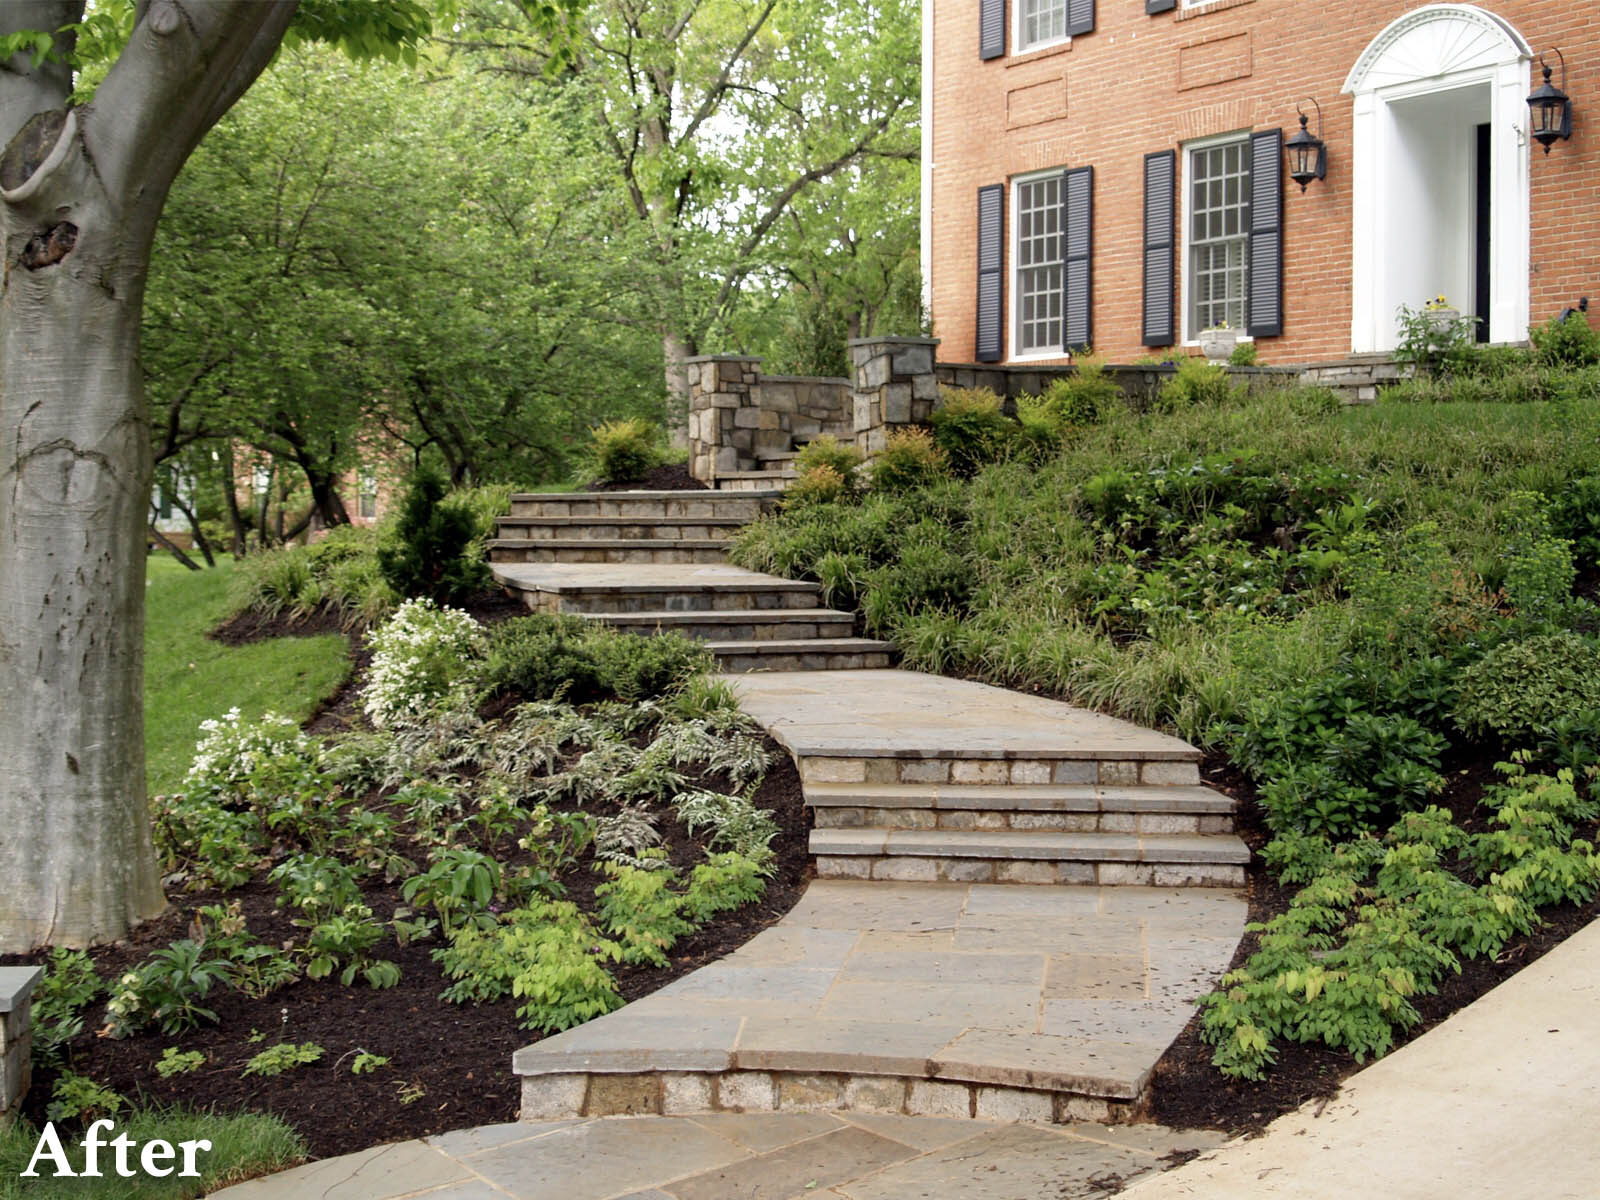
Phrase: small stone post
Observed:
(16, 1036)
(894, 385)
(724, 414)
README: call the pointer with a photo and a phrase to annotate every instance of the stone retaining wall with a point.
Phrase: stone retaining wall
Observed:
(684, 1093)
(1140, 382)
(16, 1036)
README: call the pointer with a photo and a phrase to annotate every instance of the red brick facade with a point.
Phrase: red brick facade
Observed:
(1139, 83)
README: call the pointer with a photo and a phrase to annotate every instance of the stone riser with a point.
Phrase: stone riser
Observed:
(532, 529)
(589, 553)
(1104, 772)
(603, 603)
(684, 1093)
(706, 505)
(758, 631)
(738, 662)
(1032, 822)
(910, 869)
(765, 483)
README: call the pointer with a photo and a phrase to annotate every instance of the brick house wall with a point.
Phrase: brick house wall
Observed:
(1142, 83)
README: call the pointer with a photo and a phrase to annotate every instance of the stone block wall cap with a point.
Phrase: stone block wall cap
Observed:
(705, 358)
(16, 985)
(838, 381)
(893, 341)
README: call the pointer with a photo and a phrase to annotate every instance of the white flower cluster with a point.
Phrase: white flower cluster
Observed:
(420, 656)
(229, 751)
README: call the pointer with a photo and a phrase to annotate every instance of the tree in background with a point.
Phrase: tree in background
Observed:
(718, 116)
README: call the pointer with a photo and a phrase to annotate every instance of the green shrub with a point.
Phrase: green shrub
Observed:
(1195, 384)
(1575, 515)
(971, 430)
(909, 460)
(820, 485)
(69, 985)
(545, 655)
(827, 451)
(928, 576)
(1521, 687)
(623, 451)
(428, 553)
(422, 657)
(1244, 355)
(1432, 344)
(1569, 343)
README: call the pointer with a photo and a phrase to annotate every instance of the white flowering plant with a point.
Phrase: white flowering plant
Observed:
(421, 656)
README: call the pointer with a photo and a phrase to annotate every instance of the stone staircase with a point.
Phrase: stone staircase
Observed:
(653, 562)
(1033, 791)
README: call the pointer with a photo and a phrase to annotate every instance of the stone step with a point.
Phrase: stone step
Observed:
(599, 589)
(1014, 856)
(804, 654)
(679, 505)
(1132, 767)
(607, 550)
(652, 528)
(755, 481)
(787, 624)
(1030, 807)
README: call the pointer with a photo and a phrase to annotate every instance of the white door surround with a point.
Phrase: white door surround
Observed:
(1420, 88)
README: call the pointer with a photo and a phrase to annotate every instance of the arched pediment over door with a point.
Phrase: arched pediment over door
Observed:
(1439, 164)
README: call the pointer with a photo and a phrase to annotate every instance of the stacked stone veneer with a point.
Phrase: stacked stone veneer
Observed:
(676, 1093)
(740, 419)
(1140, 382)
(16, 1036)
(895, 385)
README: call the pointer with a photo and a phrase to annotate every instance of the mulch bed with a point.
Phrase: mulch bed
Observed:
(450, 1065)
(1190, 1093)
(674, 477)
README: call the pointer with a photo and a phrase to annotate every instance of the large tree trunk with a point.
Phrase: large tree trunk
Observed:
(675, 348)
(80, 195)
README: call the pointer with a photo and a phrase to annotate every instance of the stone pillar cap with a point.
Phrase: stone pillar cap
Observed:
(894, 341)
(16, 985)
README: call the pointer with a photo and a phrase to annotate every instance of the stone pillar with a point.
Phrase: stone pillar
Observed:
(16, 1037)
(724, 414)
(894, 385)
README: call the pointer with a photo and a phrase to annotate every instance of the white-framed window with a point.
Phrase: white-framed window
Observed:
(1039, 23)
(1037, 253)
(1216, 227)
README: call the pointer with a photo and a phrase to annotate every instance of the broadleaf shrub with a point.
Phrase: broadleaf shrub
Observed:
(625, 450)
(909, 460)
(1521, 687)
(971, 430)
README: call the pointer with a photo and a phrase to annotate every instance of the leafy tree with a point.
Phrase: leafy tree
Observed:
(82, 187)
(718, 115)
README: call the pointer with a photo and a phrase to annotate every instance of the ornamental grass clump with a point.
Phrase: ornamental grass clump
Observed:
(421, 656)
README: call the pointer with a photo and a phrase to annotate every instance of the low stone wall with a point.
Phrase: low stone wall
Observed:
(1140, 382)
(683, 1093)
(1356, 379)
(16, 1036)
(808, 406)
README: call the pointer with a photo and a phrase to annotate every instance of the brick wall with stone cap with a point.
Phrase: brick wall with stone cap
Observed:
(16, 1037)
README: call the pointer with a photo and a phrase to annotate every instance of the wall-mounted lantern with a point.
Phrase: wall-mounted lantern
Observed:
(1551, 107)
(1308, 153)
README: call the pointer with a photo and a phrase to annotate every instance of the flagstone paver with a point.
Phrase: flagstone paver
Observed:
(751, 1156)
(1050, 990)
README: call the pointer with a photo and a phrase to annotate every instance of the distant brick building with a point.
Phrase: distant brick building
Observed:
(1112, 172)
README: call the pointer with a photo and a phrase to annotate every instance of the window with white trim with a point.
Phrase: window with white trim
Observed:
(1040, 22)
(1217, 222)
(1037, 252)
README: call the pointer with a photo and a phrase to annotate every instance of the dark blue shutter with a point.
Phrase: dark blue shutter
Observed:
(1160, 199)
(1263, 316)
(1080, 17)
(1159, 6)
(1078, 224)
(991, 28)
(991, 258)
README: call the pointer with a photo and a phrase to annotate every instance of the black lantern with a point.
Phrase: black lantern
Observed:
(1551, 109)
(1308, 153)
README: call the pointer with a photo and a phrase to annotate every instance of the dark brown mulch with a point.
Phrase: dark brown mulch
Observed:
(450, 1065)
(673, 477)
(1190, 1093)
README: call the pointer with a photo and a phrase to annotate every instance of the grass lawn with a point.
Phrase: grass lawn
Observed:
(189, 678)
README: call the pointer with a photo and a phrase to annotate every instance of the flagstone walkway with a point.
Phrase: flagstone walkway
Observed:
(752, 1156)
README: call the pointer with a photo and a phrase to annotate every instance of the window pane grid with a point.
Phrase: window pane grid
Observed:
(1042, 21)
(1219, 221)
(1040, 251)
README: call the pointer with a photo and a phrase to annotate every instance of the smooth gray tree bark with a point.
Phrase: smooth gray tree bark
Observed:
(81, 191)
